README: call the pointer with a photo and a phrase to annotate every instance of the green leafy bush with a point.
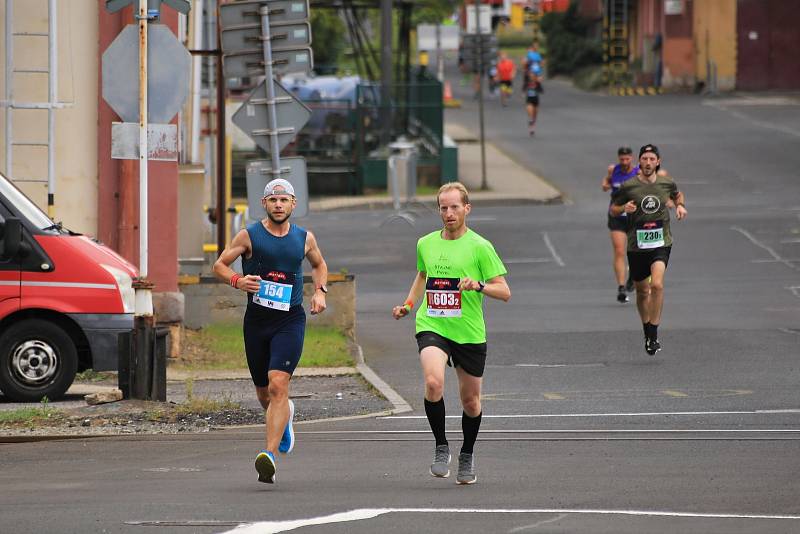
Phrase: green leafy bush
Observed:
(569, 46)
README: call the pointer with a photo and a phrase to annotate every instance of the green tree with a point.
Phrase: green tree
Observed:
(327, 39)
(568, 44)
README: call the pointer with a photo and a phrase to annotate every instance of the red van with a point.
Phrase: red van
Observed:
(64, 300)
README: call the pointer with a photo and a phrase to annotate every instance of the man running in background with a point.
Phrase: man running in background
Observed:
(456, 268)
(618, 226)
(645, 199)
(533, 89)
(505, 77)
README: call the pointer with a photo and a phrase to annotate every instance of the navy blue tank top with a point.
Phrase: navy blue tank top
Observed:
(278, 259)
(618, 177)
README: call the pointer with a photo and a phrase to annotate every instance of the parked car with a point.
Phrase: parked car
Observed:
(64, 300)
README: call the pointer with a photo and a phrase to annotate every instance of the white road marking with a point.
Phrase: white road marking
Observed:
(527, 260)
(777, 257)
(621, 414)
(274, 527)
(532, 526)
(573, 431)
(552, 249)
(554, 365)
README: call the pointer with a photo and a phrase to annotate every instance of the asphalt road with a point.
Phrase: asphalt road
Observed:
(582, 432)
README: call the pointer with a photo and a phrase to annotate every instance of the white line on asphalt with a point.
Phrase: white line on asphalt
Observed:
(552, 249)
(758, 243)
(274, 527)
(527, 260)
(575, 431)
(621, 414)
(554, 365)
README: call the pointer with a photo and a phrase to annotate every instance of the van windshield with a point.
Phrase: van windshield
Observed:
(25, 206)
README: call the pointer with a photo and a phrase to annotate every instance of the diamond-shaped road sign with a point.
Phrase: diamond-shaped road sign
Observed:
(258, 173)
(252, 118)
(168, 73)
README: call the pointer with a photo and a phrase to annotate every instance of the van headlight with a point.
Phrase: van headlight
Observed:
(125, 287)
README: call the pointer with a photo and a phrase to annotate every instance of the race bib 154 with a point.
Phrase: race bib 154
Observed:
(275, 291)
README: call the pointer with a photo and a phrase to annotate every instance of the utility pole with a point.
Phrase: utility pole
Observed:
(144, 295)
(386, 69)
(481, 67)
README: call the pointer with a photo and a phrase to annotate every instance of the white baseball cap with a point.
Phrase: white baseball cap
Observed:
(278, 186)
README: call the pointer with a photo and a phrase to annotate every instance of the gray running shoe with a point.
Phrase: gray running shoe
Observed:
(466, 469)
(441, 460)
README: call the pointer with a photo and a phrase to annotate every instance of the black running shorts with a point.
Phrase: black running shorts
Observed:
(469, 356)
(273, 340)
(617, 224)
(532, 100)
(640, 261)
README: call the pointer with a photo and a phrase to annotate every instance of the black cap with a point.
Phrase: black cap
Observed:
(624, 150)
(649, 148)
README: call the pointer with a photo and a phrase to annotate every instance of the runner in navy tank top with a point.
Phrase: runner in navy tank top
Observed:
(272, 252)
(618, 226)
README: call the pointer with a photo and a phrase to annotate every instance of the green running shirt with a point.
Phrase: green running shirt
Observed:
(457, 316)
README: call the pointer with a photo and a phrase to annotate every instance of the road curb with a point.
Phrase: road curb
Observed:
(399, 403)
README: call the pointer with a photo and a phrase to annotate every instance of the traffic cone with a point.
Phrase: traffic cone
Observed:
(449, 101)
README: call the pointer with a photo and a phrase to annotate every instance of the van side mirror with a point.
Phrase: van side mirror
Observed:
(11, 238)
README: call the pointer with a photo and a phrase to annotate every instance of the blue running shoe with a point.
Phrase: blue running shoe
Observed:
(287, 441)
(265, 465)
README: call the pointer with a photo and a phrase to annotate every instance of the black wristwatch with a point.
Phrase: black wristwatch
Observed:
(323, 289)
(481, 285)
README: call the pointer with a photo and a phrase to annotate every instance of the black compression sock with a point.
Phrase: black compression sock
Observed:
(653, 331)
(436, 418)
(646, 327)
(470, 427)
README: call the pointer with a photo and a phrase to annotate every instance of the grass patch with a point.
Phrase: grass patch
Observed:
(221, 346)
(31, 416)
(90, 375)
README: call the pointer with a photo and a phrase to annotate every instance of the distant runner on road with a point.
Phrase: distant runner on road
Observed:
(272, 252)
(645, 199)
(618, 226)
(456, 268)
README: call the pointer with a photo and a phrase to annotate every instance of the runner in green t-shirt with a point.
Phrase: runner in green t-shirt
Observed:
(456, 268)
(645, 198)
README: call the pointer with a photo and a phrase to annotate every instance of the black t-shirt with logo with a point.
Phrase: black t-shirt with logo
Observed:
(648, 226)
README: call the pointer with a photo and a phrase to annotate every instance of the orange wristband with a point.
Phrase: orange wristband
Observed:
(409, 305)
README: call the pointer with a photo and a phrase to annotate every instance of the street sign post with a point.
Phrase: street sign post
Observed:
(250, 63)
(292, 115)
(264, 38)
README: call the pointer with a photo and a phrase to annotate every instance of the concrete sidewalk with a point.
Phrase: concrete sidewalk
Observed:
(510, 181)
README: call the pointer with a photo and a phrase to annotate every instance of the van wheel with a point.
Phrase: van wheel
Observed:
(37, 359)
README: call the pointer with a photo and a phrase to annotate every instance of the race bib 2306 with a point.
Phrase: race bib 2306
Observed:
(650, 235)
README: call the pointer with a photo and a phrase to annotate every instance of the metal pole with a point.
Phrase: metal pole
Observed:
(144, 298)
(197, 62)
(9, 85)
(386, 69)
(439, 55)
(272, 118)
(484, 184)
(52, 79)
(222, 154)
